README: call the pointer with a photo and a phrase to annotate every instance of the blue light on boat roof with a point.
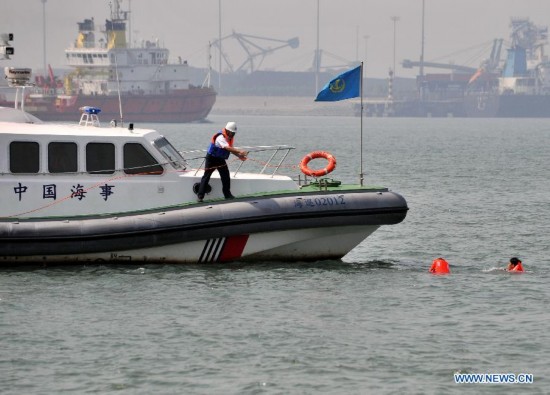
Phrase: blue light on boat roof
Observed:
(90, 110)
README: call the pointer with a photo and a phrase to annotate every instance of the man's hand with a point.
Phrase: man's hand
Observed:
(243, 155)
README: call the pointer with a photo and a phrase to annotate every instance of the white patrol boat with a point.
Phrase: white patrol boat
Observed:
(85, 193)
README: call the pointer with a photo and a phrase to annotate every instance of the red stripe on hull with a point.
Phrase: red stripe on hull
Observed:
(233, 248)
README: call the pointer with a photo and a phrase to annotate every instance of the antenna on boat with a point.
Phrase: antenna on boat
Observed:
(117, 16)
(129, 12)
(206, 82)
(118, 91)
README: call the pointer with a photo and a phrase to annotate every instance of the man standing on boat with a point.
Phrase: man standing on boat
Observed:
(218, 151)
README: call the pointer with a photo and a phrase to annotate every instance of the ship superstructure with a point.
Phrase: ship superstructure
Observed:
(526, 70)
(111, 64)
(106, 67)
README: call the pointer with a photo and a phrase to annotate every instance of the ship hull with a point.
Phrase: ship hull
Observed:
(291, 226)
(188, 105)
(471, 106)
(508, 106)
(524, 106)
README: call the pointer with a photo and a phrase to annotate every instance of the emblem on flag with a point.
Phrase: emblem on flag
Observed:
(344, 86)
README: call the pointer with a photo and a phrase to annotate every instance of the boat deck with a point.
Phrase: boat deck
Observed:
(310, 188)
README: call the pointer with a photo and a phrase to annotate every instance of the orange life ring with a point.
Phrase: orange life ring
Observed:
(321, 172)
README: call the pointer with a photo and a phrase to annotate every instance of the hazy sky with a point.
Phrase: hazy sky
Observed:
(186, 27)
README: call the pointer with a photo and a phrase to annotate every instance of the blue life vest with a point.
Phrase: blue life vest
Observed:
(217, 151)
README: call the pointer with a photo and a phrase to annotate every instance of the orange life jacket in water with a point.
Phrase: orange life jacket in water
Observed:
(517, 268)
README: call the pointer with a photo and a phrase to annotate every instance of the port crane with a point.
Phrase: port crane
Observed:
(409, 64)
(488, 65)
(250, 44)
(320, 55)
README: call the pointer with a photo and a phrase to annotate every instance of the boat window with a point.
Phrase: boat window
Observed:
(137, 160)
(100, 158)
(170, 153)
(62, 158)
(24, 157)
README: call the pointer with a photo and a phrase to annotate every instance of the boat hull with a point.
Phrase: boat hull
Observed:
(524, 106)
(475, 105)
(189, 105)
(292, 226)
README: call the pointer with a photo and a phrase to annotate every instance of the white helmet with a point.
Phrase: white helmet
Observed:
(231, 126)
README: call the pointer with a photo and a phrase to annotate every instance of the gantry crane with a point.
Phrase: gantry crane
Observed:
(253, 50)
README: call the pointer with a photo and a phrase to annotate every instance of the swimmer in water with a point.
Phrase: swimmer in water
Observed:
(514, 265)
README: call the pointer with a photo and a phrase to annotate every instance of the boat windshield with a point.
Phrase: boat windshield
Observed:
(170, 153)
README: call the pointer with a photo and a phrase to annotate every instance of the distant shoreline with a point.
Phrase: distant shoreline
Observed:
(279, 105)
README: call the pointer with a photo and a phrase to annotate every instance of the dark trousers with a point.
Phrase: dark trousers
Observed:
(214, 163)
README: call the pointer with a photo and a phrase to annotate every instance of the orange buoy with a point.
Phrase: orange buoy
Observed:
(321, 172)
(440, 266)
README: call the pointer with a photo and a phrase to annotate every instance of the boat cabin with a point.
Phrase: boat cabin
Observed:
(53, 169)
(62, 170)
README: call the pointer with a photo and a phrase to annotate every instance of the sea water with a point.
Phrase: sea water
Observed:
(375, 322)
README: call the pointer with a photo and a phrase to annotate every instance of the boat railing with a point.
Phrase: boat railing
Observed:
(276, 156)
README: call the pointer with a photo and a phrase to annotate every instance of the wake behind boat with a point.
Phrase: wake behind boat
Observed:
(85, 193)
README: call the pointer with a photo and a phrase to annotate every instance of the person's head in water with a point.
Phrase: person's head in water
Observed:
(513, 263)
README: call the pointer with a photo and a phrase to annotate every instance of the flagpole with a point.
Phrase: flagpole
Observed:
(361, 116)
(344, 86)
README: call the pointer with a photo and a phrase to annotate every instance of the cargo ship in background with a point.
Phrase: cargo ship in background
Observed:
(518, 86)
(125, 82)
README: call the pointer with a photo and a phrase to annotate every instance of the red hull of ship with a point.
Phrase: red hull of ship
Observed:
(189, 105)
